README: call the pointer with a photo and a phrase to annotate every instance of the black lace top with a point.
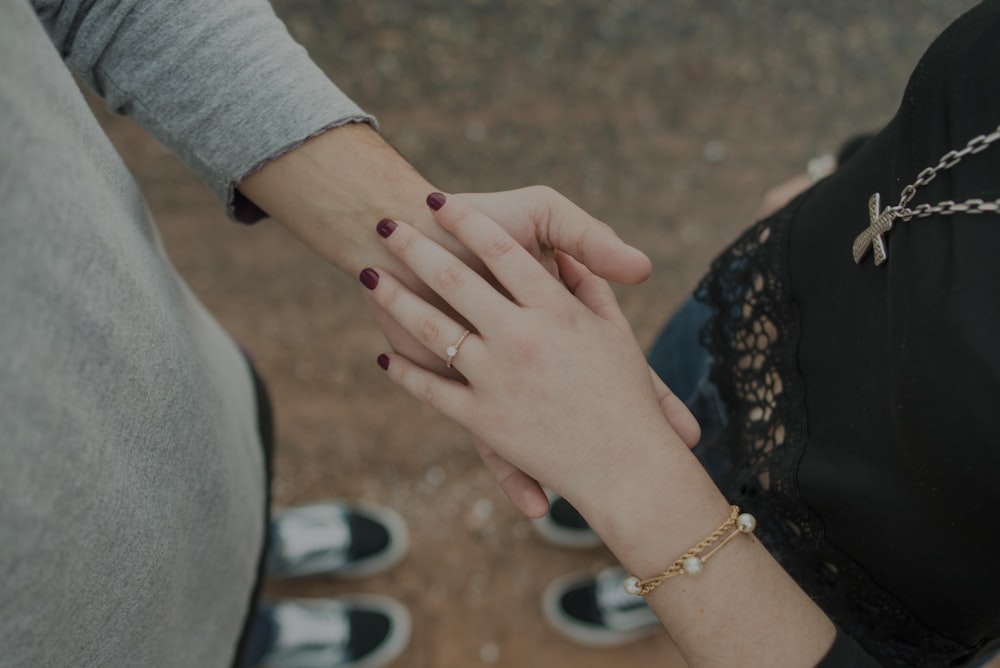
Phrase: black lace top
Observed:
(864, 401)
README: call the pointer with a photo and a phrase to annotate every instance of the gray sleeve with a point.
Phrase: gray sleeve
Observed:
(221, 83)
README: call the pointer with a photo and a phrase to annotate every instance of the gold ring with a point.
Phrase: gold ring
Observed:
(452, 350)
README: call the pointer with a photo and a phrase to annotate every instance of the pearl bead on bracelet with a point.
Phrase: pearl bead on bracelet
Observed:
(693, 561)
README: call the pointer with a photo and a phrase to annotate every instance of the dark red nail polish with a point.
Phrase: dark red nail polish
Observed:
(383, 361)
(386, 227)
(369, 278)
(436, 200)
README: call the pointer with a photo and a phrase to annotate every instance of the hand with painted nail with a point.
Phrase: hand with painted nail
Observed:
(557, 389)
(333, 187)
(542, 221)
(557, 386)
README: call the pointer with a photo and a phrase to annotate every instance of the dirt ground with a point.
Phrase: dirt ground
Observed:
(665, 119)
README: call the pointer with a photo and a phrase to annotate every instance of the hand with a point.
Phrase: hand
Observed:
(527, 494)
(558, 387)
(543, 222)
(557, 384)
(540, 220)
(331, 189)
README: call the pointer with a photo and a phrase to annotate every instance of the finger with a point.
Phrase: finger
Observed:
(590, 289)
(449, 397)
(440, 334)
(461, 287)
(402, 342)
(599, 297)
(465, 290)
(522, 490)
(676, 412)
(513, 266)
(539, 216)
(568, 228)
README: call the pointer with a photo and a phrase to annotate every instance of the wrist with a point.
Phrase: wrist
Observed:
(655, 507)
(334, 188)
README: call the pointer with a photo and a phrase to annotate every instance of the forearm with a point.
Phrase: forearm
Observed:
(222, 84)
(743, 608)
(558, 387)
(334, 188)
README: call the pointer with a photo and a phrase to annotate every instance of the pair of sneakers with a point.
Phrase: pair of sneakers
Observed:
(592, 610)
(346, 540)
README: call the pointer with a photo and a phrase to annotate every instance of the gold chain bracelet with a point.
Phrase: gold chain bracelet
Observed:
(692, 561)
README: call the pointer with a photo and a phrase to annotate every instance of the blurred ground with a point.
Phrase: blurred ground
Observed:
(665, 119)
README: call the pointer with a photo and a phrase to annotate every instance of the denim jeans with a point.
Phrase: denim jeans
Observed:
(684, 364)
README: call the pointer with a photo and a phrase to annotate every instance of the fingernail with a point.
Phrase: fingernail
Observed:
(436, 200)
(383, 361)
(386, 227)
(369, 278)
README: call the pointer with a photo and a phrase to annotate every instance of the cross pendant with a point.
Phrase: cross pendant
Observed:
(872, 236)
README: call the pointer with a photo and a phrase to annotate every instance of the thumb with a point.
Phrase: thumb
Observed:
(562, 225)
(593, 292)
(522, 490)
(677, 414)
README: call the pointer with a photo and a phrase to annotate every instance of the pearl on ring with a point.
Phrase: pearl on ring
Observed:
(632, 586)
(452, 350)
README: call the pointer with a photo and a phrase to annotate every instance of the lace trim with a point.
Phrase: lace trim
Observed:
(753, 337)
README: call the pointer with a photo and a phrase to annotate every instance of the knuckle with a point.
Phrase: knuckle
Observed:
(425, 393)
(451, 276)
(498, 246)
(526, 349)
(565, 315)
(405, 241)
(459, 214)
(429, 331)
(386, 295)
(544, 192)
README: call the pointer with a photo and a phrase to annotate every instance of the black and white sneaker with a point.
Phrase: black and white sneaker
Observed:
(357, 631)
(564, 526)
(343, 538)
(596, 611)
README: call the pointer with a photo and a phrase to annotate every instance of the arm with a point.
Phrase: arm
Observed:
(558, 386)
(332, 189)
(227, 89)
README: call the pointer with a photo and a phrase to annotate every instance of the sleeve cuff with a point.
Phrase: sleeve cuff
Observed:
(242, 209)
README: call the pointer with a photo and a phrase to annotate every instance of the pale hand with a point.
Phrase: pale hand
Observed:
(557, 385)
(542, 221)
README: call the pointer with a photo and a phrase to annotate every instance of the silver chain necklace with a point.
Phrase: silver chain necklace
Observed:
(881, 223)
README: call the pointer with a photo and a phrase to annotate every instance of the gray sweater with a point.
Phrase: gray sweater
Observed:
(131, 475)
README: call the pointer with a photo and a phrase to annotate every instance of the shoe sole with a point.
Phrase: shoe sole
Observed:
(588, 636)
